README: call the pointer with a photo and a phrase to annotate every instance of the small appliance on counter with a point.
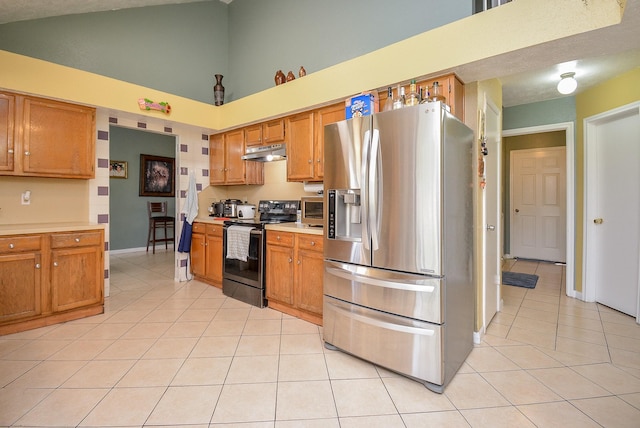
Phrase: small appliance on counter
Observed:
(246, 211)
(217, 209)
(231, 207)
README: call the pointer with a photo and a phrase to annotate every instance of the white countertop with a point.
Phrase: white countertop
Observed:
(296, 228)
(284, 227)
(210, 220)
(20, 229)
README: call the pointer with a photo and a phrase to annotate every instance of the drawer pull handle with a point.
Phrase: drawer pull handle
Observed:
(11, 246)
(10, 151)
(37, 265)
(298, 261)
(27, 153)
(55, 264)
(278, 237)
(290, 260)
(77, 239)
(313, 243)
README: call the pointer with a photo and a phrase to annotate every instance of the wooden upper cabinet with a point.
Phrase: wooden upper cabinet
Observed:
(216, 159)
(50, 138)
(7, 114)
(451, 87)
(270, 132)
(234, 149)
(300, 145)
(324, 116)
(225, 160)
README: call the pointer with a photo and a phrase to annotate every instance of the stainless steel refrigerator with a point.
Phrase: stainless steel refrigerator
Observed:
(398, 241)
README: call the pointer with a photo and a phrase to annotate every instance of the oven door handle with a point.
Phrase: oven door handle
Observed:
(256, 232)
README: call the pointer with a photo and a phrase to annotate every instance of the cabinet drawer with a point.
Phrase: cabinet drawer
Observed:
(199, 227)
(280, 238)
(214, 229)
(310, 242)
(76, 239)
(16, 244)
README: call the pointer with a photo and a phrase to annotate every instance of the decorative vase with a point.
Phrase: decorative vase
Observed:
(280, 78)
(218, 91)
(290, 76)
(302, 72)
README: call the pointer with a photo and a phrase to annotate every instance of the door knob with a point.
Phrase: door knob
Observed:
(598, 221)
(491, 227)
(517, 210)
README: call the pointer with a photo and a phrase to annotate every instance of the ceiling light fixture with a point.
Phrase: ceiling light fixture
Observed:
(567, 84)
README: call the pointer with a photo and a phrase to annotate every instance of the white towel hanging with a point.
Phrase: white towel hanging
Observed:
(238, 240)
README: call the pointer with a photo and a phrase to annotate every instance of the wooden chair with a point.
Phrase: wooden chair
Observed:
(158, 219)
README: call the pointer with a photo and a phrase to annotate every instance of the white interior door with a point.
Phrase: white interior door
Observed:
(612, 220)
(538, 204)
(493, 228)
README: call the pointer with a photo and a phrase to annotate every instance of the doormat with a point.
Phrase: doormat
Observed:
(519, 279)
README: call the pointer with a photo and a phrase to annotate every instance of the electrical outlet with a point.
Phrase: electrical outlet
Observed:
(26, 198)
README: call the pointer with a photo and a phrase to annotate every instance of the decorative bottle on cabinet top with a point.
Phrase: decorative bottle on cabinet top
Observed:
(412, 99)
(280, 78)
(218, 91)
(388, 104)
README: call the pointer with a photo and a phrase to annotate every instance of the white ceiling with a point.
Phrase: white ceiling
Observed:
(529, 75)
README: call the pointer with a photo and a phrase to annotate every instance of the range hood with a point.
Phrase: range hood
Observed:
(274, 152)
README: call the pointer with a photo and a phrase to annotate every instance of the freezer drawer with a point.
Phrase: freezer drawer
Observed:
(413, 296)
(409, 347)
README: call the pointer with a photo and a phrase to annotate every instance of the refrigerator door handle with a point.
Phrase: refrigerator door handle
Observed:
(380, 282)
(375, 177)
(366, 144)
(384, 324)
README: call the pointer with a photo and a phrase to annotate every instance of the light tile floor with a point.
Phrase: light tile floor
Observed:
(182, 354)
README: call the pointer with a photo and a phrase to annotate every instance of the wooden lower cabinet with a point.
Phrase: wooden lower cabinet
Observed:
(76, 270)
(207, 253)
(50, 278)
(294, 274)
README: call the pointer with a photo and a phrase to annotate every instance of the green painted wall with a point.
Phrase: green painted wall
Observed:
(174, 48)
(179, 48)
(558, 110)
(266, 36)
(127, 211)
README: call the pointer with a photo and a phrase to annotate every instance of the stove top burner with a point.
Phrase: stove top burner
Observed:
(271, 212)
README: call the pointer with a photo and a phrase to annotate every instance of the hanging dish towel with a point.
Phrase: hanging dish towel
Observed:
(238, 240)
(190, 210)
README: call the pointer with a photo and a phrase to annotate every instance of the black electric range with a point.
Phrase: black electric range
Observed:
(244, 271)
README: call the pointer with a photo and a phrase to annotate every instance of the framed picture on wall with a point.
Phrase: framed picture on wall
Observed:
(118, 169)
(157, 175)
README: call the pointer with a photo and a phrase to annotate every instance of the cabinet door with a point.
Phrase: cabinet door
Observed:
(253, 135)
(7, 112)
(325, 116)
(20, 286)
(58, 139)
(76, 277)
(309, 273)
(273, 131)
(216, 159)
(279, 281)
(198, 258)
(214, 253)
(300, 152)
(234, 149)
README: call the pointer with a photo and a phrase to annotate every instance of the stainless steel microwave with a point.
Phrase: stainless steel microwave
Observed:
(312, 210)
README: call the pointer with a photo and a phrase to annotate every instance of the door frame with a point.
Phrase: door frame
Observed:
(589, 125)
(568, 128)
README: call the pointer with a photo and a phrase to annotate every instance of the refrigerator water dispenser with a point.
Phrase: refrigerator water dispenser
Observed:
(344, 220)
